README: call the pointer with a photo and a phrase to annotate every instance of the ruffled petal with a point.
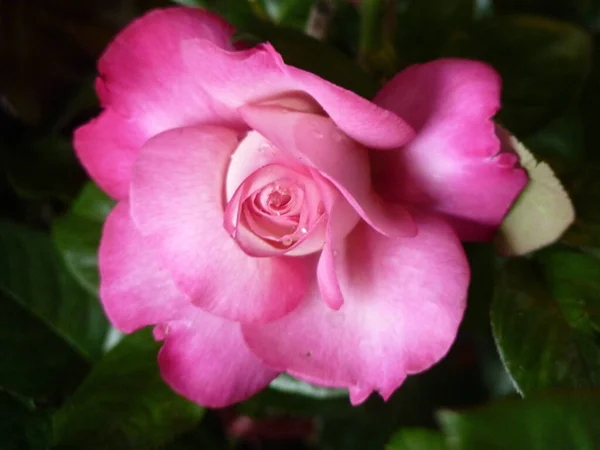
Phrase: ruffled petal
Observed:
(177, 201)
(238, 78)
(136, 291)
(146, 89)
(454, 164)
(404, 299)
(204, 357)
(143, 73)
(206, 360)
(107, 147)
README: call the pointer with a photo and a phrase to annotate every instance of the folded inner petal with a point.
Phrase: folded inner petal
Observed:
(318, 143)
(258, 74)
(274, 212)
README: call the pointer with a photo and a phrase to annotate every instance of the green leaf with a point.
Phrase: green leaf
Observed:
(35, 360)
(289, 13)
(124, 404)
(77, 235)
(43, 167)
(432, 24)
(585, 191)
(33, 271)
(546, 320)
(584, 12)
(543, 64)
(21, 427)
(286, 383)
(417, 439)
(560, 421)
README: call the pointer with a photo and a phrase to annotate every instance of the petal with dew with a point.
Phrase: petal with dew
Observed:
(260, 74)
(318, 143)
(404, 300)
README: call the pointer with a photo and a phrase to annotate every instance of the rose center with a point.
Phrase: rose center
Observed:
(278, 200)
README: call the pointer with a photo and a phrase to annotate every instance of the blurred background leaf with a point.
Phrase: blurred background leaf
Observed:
(546, 320)
(124, 404)
(77, 235)
(32, 270)
(559, 421)
(543, 64)
(417, 439)
(35, 359)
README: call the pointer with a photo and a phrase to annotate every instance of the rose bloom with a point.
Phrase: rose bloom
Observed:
(270, 221)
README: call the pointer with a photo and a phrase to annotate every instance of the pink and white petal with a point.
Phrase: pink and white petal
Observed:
(177, 201)
(259, 74)
(107, 147)
(404, 300)
(317, 142)
(453, 166)
(136, 290)
(206, 360)
(145, 89)
(143, 73)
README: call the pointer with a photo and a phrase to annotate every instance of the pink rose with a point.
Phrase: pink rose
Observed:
(270, 221)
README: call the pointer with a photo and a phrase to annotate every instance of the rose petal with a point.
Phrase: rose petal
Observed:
(143, 73)
(342, 218)
(135, 290)
(316, 142)
(205, 359)
(453, 164)
(404, 299)
(177, 201)
(107, 147)
(146, 90)
(248, 241)
(237, 78)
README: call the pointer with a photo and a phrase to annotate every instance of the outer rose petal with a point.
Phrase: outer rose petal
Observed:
(146, 90)
(143, 74)
(242, 77)
(135, 290)
(175, 67)
(204, 357)
(107, 147)
(206, 360)
(177, 201)
(453, 164)
(404, 299)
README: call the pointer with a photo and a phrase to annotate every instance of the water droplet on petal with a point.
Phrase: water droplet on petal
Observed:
(317, 134)
(286, 241)
(303, 230)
